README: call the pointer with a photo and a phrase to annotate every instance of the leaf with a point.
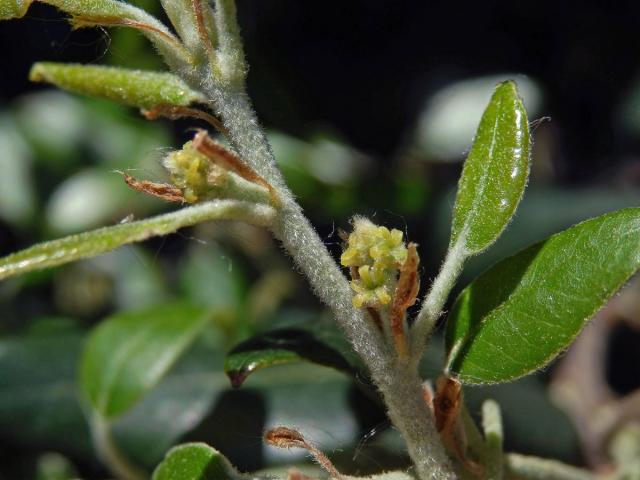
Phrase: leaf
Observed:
(38, 394)
(450, 116)
(195, 461)
(128, 353)
(282, 346)
(87, 13)
(95, 242)
(495, 173)
(179, 403)
(53, 466)
(17, 192)
(516, 317)
(543, 211)
(138, 88)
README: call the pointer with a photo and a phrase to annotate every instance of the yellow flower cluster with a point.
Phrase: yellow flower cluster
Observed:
(377, 253)
(190, 171)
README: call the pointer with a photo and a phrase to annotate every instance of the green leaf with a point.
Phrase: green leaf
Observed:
(88, 13)
(280, 347)
(128, 353)
(95, 242)
(138, 88)
(516, 317)
(38, 394)
(195, 461)
(53, 466)
(495, 173)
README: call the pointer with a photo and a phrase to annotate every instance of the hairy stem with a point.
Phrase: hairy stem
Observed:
(522, 467)
(400, 387)
(492, 426)
(436, 298)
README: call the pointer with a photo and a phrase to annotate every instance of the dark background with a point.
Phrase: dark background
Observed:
(365, 67)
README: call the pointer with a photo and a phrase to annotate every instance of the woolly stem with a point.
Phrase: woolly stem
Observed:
(522, 467)
(401, 387)
(492, 426)
(436, 298)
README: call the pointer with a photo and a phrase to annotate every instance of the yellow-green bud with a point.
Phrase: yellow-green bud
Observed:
(189, 171)
(370, 287)
(377, 253)
(370, 244)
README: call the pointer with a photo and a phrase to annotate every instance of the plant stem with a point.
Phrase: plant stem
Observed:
(109, 452)
(400, 386)
(522, 467)
(492, 426)
(436, 298)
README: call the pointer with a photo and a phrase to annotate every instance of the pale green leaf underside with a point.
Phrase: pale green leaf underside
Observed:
(137, 88)
(517, 316)
(95, 242)
(495, 172)
(128, 353)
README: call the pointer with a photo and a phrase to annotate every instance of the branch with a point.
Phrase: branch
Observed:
(95, 242)
(436, 298)
(399, 385)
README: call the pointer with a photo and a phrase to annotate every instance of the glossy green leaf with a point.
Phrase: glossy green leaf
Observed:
(196, 461)
(495, 173)
(128, 353)
(138, 88)
(283, 346)
(517, 316)
(92, 243)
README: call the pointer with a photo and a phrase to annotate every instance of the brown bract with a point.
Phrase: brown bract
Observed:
(404, 296)
(222, 156)
(283, 437)
(174, 112)
(447, 405)
(165, 191)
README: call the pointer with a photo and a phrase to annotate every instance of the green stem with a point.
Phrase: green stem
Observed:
(95, 242)
(109, 452)
(492, 426)
(436, 298)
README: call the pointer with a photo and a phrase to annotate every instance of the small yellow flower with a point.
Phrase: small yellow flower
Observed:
(359, 244)
(371, 289)
(389, 249)
(189, 171)
(370, 244)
